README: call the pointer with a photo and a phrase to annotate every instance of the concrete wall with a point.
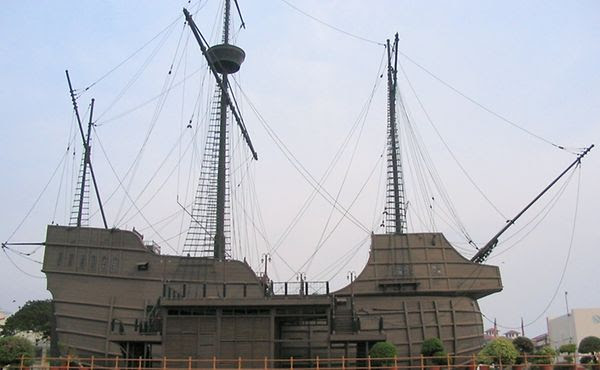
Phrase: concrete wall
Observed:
(572, 328)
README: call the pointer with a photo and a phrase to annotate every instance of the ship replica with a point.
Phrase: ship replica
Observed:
(115, 295)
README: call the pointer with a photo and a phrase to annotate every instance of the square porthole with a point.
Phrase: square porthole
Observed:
(437, 269)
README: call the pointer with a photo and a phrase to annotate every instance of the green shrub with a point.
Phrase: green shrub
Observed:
(383, 353)
(12, 348)
(523, 345)
(567, 348)
(431, 346)
(586, 360)
(440, 358)
(544, 356)
(590, 345)
(500, 350)
(434, 348)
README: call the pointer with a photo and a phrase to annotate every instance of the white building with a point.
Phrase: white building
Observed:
(3, 317)
(573, 327)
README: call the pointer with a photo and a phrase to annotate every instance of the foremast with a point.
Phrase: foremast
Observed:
(395, 208)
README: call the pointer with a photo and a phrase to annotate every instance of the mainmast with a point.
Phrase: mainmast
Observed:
(209, 224)
(395, 209)
(219, 244)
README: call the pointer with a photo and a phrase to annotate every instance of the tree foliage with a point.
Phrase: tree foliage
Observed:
(383, 353)
(12, 348)
(523, 345)
(431, 346)
(34, 316)
(567, 348)
(545, 355)
(500, 350)
(589, 345)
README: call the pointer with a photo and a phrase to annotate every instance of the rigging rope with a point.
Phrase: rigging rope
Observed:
(542, 214)
(463, 170)
(130, 56)
(355, 36)
(19, 268)
(127, 193)
(301, 169)
(480, 105)
(38, 197)
(566, 263)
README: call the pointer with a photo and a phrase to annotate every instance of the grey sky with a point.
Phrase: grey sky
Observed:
(535, 63)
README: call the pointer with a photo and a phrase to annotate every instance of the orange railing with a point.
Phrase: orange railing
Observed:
(418, 362)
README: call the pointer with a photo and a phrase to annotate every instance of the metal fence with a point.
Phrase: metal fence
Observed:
(418, 363)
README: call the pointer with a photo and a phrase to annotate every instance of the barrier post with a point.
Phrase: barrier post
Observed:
(448, 360)
(22, 361)
(140, 363)
(239, 362)
(422, 362)
(68, 361)
(214, 362)
(116, 362)
(266, 363)
(164, 362)
(317, 362)
(395, 362)
(369, 362)
(92, 364)
(291, 361)
(190, 363)
(343, 363)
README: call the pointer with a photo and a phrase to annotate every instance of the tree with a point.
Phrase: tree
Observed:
(34, 316)
(569, 349)
(383, 353)
(500, 350)
(545, 355)
(523, 345)
(590, 345)
(433, 347)
(12, 348)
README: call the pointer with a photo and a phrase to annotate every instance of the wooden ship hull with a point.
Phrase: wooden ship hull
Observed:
(115, 296)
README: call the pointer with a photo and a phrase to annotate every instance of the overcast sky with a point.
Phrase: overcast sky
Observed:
(534, 63)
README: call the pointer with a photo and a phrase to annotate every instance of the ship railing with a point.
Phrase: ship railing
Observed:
(300, 288)
(152, 246)
(179, 291)
(149, 326)
(446, 362)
